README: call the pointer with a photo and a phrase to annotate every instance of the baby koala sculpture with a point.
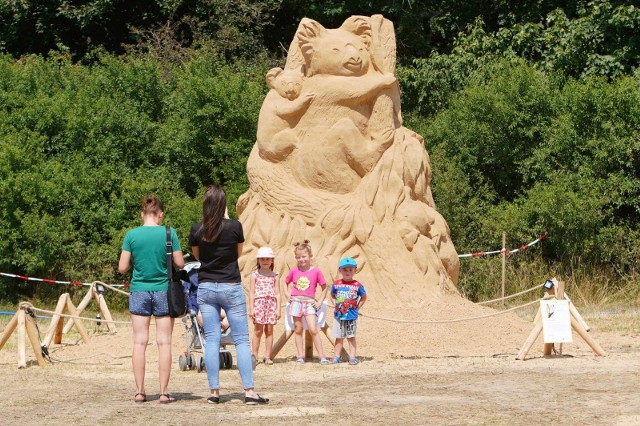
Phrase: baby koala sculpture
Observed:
(280, 112)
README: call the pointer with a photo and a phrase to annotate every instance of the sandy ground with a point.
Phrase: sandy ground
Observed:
(460, 373)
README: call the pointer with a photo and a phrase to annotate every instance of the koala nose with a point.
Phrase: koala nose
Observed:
(352, 53)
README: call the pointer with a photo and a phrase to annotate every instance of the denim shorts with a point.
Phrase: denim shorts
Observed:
(147, 303)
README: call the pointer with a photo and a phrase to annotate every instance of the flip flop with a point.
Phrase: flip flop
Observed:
(140, 401)
(169, 399)
(248, 400)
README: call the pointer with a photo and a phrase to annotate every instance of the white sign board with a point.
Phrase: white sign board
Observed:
(321, 315)
(556, 321)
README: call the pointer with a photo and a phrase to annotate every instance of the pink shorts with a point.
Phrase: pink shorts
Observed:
(299, 308)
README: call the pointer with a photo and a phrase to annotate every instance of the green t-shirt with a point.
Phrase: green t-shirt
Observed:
(147, 245)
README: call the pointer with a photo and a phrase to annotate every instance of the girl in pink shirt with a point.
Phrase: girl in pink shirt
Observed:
(304, 279)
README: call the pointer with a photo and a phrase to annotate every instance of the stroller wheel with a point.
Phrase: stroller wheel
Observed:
(228, 360)
(192, 362)
(182, 362)
(200, 364)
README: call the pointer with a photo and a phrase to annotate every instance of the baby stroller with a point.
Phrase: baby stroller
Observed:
(193, 332)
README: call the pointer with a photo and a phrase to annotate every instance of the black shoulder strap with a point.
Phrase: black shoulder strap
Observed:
(169, 253)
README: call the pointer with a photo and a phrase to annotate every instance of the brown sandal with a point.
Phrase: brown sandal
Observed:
(168, 400)
(140, 400)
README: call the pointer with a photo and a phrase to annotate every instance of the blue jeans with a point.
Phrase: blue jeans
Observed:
(230, 297)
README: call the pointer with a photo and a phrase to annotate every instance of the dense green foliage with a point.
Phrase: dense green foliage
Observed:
(530, 117)
(80, 146)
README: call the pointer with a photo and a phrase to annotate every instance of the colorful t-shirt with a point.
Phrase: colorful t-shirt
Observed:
(305, 282)
(347, 296)
(147, 245)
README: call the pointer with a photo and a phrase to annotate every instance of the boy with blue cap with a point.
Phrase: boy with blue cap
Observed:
(349, 296)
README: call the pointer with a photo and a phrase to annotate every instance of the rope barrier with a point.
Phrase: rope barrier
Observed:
(504, 250)
(451, 320)
(486, 302)
(50, 281)
(78, 317)
(110, 286)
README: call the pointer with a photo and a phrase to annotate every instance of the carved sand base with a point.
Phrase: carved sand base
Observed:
(401, 243)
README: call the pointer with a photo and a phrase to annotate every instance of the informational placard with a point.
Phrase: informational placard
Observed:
(556, 321)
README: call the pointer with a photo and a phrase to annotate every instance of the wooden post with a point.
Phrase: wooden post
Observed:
(576, 315)
(537, 329)
(343, 354)
(80, 309)
(22, 354)
(102, 305)
(32, 332)
(308, 346)
(281, 342)
(583, 333)
(72, 311)
(9, 329)
(504, 264)
(558, 293)
(53, 326)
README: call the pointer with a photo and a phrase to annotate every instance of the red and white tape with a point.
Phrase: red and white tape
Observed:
(50, 281)
(504, 250)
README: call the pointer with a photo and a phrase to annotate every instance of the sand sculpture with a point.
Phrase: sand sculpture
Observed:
(333, 164)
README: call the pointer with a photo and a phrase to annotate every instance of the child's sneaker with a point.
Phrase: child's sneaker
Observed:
(324, 361)
(353, 360)
(299, 360)
(337, 360)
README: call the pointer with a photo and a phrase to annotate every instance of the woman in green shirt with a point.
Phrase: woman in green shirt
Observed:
(144, 250)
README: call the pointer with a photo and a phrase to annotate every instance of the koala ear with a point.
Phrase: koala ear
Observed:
(272, 74)
(360, 26)
(307, 32)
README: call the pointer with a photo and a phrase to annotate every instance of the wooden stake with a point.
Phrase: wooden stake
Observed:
(53, 326)
(78, 323)
(22, 354)
(583, 333)
(308, 346)
(102, 305)
(57, 338)
(343, 354)
(32, 333)
(80, 309)
(281, 342)
(8, 330)
(537, 329)
(504, 264)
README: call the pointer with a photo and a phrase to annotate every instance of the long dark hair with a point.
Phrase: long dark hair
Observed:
(214, 206)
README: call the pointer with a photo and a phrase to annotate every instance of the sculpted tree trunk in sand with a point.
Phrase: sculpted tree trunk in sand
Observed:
(334, 165)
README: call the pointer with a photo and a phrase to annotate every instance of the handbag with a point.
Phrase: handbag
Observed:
(175, 294)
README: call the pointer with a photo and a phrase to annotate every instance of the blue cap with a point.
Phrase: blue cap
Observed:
(347, 261)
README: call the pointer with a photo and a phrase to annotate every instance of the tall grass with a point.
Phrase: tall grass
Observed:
(588, 285)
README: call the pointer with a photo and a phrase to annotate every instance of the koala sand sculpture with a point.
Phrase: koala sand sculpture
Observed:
(333, 164)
